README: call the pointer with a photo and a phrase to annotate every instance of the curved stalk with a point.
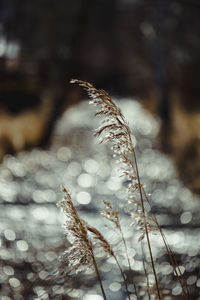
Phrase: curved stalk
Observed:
(129, 264)
(145, 224)
(98, 275)
(171, 255)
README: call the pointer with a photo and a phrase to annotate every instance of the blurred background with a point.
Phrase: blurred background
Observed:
(146, 50)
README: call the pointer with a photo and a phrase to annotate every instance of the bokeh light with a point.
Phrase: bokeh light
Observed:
(32, 237)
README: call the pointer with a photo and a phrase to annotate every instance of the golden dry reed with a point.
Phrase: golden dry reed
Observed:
(83, 238)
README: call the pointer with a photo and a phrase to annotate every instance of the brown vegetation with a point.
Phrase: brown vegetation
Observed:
(114, 129)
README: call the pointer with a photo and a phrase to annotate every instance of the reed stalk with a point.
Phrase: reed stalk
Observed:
(114, 129)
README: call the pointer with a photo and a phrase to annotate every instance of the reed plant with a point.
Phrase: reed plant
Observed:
(84, 238)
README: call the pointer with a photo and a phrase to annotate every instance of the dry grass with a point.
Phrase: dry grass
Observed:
(114, 129)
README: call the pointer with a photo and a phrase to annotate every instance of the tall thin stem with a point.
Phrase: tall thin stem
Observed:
(98, 275)
(145, 271)
(122, 273)
(126, 251)
(136, 171)
(170, 254)
(145, 224)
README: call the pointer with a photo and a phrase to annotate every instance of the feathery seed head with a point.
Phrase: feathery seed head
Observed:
(79, 255)
(110, 214)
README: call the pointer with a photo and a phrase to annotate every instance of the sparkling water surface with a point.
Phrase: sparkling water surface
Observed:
(31, 232)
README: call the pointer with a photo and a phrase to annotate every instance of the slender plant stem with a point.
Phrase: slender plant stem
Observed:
(145, 271)
(171, 255)
(135, 169)
(129, 264)
(174, 263)
(145, 224)
(98, 275)
(123, 276)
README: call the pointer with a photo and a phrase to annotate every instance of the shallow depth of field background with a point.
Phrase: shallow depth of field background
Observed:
(146, 54)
